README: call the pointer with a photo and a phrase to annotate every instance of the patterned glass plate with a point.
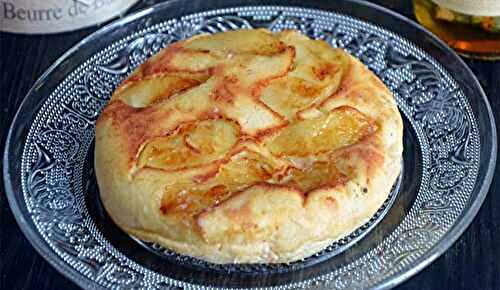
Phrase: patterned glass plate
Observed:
(449, 151)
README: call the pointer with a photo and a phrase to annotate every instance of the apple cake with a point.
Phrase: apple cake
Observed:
(247, 146)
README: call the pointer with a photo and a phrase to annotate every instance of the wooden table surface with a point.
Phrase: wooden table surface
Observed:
(473, 262)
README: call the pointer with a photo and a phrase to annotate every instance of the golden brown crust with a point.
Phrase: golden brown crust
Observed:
(247, 146)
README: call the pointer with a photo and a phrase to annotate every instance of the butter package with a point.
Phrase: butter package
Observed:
(53, 16)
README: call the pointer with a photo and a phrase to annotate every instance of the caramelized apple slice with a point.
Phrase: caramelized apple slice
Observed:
(242, 170)
(312, 53)
(252, 69)
(192, 61)
(242, 41)
(316, 74)
(143, 93)
(289, 95)
(194, 144)
(252, 116)
(243, 77)
(318, 174)
(212, 136)
(178, 59)
(193, 200)
(245, 168)
(341, 127)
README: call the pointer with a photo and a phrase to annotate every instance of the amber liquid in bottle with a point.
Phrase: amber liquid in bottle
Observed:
(471, 36)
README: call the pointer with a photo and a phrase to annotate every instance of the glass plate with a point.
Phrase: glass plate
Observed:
(449, 151)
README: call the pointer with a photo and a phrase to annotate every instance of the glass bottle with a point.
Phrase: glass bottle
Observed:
(471, 27)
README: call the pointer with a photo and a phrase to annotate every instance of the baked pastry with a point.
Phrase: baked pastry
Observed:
(247, 147)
